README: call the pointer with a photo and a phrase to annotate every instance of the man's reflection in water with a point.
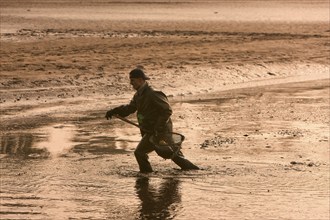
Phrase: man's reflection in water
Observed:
(158, 203)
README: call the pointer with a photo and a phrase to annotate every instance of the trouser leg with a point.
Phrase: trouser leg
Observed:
(141, 154)
(183, 163)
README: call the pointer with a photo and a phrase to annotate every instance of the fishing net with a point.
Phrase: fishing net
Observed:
(168, 145)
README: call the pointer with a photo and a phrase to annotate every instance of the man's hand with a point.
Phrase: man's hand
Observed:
(110, 113)
(160, 138)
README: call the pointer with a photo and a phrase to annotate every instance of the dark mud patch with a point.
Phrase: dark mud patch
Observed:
(218, 141)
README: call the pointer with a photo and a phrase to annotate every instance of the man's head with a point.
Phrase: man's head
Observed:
(137, 78)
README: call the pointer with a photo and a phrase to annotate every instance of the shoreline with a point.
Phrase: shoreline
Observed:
(27, 111)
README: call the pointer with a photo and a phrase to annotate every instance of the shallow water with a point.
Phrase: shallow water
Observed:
(85, 169)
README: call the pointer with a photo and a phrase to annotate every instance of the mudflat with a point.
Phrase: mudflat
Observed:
(249, 86)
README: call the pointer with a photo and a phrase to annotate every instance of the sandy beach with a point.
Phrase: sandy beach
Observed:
(248, 82)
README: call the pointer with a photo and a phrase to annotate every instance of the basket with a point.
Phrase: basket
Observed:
(167, 148)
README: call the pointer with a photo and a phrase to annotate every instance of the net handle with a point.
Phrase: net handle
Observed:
(136, 125)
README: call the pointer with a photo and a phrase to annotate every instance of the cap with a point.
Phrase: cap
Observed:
(138, 73)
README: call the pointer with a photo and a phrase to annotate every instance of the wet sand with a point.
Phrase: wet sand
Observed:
(250, 92)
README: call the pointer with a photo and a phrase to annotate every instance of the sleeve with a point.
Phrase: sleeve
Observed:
(126, 110)
(165, 111)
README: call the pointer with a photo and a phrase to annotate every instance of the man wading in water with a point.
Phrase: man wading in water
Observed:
(153, 114)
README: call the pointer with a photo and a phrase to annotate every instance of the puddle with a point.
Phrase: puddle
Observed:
(247, 159)
(44, 142)
(63, 139)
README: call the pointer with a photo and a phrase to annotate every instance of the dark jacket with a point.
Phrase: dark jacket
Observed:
(153, 110)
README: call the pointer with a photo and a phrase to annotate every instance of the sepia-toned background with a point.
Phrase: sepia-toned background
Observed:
(248, 82)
